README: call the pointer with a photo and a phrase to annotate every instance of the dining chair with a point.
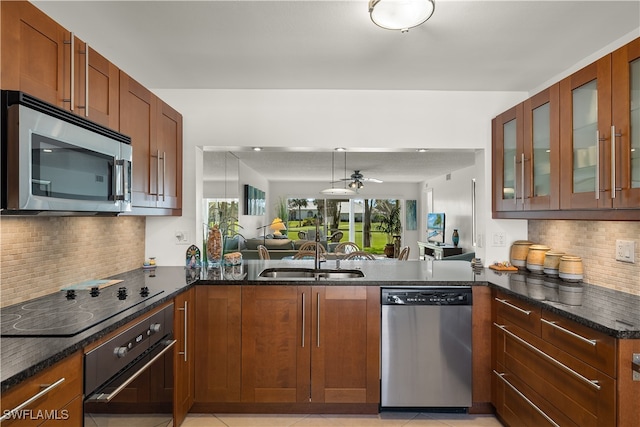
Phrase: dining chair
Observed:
(336, 237)
(311, 246)
(346, 248)
(404, 254)
(263, 252)
(305, 255)
(302, 235)
(359, 255)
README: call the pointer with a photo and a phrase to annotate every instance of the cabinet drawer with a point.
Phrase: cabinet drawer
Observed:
(517, 312)
(583, 394)
(586, 344)
(67, 374)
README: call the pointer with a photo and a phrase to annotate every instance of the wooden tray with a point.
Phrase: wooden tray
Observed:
(503, 268)
(90, 284)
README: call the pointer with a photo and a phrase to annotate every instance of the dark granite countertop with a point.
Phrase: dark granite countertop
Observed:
(615, 313)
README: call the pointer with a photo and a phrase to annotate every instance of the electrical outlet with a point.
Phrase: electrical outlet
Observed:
(182, 237)
(626, 251)
(499, 239)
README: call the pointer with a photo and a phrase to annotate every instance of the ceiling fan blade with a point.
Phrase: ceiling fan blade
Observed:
(376, 180)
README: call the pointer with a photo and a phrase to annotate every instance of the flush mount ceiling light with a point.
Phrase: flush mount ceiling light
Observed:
(337, 191)
(400, 14)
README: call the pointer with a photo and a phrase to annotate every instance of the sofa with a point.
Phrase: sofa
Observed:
(278, 248)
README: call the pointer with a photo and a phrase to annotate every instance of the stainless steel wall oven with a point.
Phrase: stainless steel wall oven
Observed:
(129, 378)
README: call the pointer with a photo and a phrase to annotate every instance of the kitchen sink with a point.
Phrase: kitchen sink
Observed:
(310, 273)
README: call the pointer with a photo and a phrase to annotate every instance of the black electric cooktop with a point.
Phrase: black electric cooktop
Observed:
(67, 313)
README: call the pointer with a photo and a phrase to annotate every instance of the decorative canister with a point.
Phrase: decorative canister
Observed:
(570, 268)
(552, 262)
(519, 251)
(214, 246)
(535, 258)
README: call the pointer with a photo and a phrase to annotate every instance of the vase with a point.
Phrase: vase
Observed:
(455, 238)
(214, 246)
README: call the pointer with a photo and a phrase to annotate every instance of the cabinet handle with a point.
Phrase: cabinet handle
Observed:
(573, 334)
(515, 182)
(184, 309)
(522, 176)
(597, 180)
(20, 407)
(304, 317)
(86, 80)
(526, 399)
(508, 304)
(158, 176)
(614, 137)
(592, 383)
(164, 173)
(72, 72)
(318, 321)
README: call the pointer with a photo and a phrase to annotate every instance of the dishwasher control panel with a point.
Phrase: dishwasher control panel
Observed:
(427, 296)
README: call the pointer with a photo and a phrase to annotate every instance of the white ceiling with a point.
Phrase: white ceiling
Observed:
(474, 45)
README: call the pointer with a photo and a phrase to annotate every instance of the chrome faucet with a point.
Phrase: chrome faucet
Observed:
(317, 259)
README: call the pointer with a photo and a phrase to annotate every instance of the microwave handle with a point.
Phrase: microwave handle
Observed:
(122, 179)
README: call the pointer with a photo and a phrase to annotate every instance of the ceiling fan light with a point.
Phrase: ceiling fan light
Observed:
(400, 14)
(338, 192)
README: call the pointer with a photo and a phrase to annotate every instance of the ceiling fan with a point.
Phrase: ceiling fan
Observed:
(357, 180)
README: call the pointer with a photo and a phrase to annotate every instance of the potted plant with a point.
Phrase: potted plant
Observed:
(390, 225)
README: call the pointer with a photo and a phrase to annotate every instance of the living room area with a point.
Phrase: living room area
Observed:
(278, 210)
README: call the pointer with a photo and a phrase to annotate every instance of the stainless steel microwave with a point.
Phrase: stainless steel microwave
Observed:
(57, 163)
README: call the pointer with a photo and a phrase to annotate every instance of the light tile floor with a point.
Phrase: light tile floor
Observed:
(384, 419)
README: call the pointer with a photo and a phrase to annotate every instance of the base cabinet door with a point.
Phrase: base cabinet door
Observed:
(345, 346)
(276, 339)
(184, 333)
(217, 344)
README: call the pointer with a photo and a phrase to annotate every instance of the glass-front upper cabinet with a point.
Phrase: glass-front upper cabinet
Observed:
(585, 137)
(626, 126)
(541, 150)
(507, 160)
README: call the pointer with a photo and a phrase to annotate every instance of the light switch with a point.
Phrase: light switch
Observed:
(626, 251)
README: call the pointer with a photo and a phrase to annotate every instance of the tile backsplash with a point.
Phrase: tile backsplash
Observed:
(40, 255)
(594, 241)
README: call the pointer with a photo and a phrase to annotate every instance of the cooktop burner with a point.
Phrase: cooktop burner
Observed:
(64, 314)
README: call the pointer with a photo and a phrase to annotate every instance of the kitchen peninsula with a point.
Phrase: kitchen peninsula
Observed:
(25, 357)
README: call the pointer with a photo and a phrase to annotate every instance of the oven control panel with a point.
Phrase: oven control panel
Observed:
(113, 355)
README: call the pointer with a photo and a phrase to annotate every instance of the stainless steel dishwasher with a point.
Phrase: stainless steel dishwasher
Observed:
(426, 348)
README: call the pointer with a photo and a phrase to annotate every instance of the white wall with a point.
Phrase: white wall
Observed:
(308, 118)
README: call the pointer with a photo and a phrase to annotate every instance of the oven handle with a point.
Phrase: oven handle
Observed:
(115, 392)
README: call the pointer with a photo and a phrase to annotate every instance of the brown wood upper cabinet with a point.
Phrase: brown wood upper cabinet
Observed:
(36, 54)
(600, 133)
(156, 136)
(45, 60)
(526, 155)
(96, 86)
(573, 150)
